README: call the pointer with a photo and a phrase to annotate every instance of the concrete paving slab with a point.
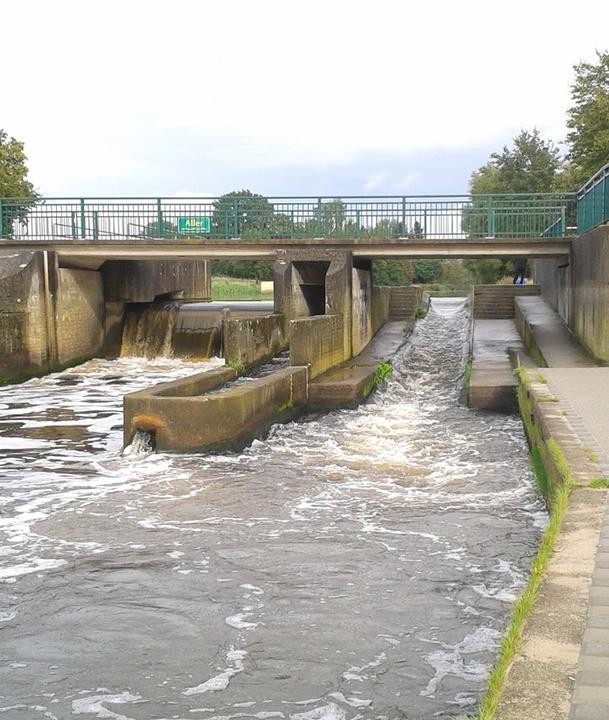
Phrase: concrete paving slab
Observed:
(492, 384)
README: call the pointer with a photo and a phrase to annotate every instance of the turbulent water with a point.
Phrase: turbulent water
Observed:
(355, 565)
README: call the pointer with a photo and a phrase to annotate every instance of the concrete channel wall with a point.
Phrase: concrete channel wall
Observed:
(496, 302)
(247, 341)
(198, 414)
(317, 343)
(577, 289)
(50, 317)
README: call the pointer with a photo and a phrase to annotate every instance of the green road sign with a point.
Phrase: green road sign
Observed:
(194, 225)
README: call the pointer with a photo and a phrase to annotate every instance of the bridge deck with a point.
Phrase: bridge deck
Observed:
(91, 251)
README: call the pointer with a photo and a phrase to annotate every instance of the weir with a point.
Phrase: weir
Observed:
(361, 563)
(385, 543)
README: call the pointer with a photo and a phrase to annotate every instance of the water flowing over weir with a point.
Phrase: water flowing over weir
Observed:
(359, 564)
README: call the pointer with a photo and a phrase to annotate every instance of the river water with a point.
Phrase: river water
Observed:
(355, 565)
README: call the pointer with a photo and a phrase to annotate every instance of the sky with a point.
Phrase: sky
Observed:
(187, 98)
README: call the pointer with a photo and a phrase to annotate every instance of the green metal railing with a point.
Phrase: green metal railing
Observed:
(442, 217)
(593, 201)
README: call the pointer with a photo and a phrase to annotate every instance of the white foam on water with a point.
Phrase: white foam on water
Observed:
(219, 682)
(239, 622)
(331, 711)
(451, 661)
(94, 705)
(35, 565)
(351, 701)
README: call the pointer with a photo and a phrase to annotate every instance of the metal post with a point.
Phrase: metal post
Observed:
(236, 218)
(160, 230)
(291, 223)
(403, 229)
(563, 221)
(95, 225)
(490, 217)
(357, 228)
(318, 232)
(74, 232)
(83, 225)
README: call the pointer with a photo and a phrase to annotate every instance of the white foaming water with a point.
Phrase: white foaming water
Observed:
(318, 563)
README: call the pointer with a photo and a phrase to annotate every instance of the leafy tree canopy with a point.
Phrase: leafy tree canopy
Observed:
(241, 211)
(588, 118)
(532, 164)
(13, 169)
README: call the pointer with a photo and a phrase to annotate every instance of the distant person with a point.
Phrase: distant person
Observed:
(520, 267)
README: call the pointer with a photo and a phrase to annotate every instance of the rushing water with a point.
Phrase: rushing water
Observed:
(355, 565)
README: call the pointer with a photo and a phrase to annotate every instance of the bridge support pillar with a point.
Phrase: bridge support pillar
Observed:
(327, 282)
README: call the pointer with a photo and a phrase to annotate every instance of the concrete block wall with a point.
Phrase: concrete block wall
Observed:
(247, 341)
(49, 317)
(381, 297)
(404, 302)
(23, 331)
(187, 415)
(578, 289)
(79, 314)
(361, 312)
(136, 281)
(496, 302)
(317, 342)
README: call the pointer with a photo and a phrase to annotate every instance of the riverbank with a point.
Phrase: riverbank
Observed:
(549, 664)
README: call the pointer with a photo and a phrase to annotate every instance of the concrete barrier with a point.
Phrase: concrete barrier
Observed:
(50, 317)
(317, 343)
(404, 301)
(496, 302)
(247, 341)
(381, 297)
(195, 414)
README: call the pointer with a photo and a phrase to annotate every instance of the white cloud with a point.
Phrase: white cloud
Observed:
(104, 90)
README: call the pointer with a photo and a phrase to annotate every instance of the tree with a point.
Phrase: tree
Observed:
(241, 213)
(588, 118)
(14, 183)
(151, 230)
(427, 271)
(392, 272)
(531, 165)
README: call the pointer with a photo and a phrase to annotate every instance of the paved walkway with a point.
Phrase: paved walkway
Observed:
(556, 343)
(584, 392)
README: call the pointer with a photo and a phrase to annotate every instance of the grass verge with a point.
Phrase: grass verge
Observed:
(224, 288)
(522, 606)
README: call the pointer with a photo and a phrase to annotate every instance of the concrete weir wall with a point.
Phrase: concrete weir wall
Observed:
(496, 302)
(316, 342)
(50, 317)
(247, 341)
(578, 289)
(198, 414)
(79, 313)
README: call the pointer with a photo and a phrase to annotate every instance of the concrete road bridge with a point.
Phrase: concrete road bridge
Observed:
(85, 232)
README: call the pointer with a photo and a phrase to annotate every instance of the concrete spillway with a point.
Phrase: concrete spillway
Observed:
(359, 564)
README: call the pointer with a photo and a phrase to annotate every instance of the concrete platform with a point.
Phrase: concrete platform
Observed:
(348, 384)
(547, 337)
(492, 384)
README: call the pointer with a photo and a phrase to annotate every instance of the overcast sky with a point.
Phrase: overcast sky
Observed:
(332, 97)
